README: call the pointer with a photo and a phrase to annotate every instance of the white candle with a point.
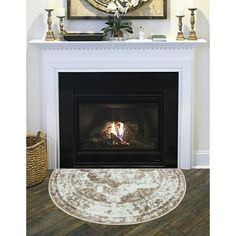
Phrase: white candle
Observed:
(61, 11)
(60, 3)
(179, 12)
(192, 4)
(49, 4)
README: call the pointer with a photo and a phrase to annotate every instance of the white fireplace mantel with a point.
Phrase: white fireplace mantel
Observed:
(118, 56)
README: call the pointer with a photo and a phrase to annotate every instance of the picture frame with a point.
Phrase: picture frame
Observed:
(86, 9)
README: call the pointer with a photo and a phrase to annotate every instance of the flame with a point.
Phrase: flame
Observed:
(121, 130)
(118, 130)
(113, 129)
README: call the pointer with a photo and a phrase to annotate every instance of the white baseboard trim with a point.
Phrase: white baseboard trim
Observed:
(201, 159)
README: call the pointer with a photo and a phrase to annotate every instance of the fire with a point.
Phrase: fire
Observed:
(115, 132)
(121, 130)
(113, 129)
(118, 130)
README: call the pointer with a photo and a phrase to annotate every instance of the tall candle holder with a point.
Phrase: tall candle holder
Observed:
(49, 34)
(192, 32)
(61, 25)
(180, 34)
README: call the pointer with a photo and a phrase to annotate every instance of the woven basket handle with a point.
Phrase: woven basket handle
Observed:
(40, 135)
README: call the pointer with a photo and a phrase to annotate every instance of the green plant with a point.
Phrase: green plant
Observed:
(116, 27)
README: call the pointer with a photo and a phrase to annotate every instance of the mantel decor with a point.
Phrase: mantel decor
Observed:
(180, 34)
(97, 9)
(192, 32)
(49, 34)
(115, 27)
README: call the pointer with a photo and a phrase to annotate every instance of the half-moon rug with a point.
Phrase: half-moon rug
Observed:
(117, 196)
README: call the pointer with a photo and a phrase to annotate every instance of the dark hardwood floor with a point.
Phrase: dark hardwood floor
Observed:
(191, 217)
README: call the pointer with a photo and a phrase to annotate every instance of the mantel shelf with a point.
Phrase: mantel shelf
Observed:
(125, 43)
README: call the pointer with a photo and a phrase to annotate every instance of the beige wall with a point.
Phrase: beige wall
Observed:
(36, 26)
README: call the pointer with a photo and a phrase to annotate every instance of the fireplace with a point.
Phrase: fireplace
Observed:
(118, 119)
(112, 57)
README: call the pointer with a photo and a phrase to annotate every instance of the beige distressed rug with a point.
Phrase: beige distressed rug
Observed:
(117, 196)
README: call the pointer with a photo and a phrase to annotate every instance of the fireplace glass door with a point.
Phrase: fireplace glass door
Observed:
(117, 126)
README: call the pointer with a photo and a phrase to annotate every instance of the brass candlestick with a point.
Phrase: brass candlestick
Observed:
(180, 34)
(49, 34)
(61, 25)
(192, 32)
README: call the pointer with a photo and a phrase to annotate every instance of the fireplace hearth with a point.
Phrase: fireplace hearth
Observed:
(118, 119)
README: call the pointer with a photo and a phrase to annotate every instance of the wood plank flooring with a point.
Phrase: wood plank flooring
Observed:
(191, 217)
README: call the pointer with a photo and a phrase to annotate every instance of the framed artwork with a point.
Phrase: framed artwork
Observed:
(98, 9)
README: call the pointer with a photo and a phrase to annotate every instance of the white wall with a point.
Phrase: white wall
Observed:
(36, 26)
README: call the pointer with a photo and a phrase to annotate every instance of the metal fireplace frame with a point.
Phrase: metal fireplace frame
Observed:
(82, 88)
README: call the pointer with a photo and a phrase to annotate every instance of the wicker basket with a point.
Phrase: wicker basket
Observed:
(36, 159)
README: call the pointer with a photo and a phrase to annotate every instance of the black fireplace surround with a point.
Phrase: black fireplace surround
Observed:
(118, 119)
